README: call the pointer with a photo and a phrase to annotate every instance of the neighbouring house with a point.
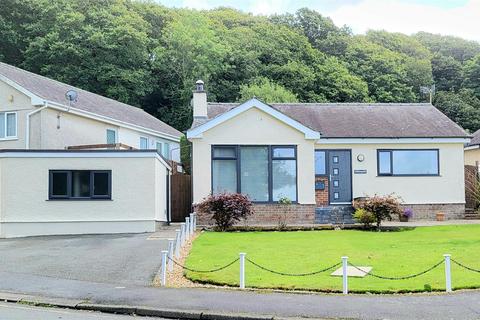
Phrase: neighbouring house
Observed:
(323, 156)
(74, 162)
(472, 150)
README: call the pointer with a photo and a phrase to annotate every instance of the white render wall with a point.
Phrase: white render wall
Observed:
(138, 196)
(448, 187)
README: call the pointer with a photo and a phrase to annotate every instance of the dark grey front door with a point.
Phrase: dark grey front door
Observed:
(340, 176)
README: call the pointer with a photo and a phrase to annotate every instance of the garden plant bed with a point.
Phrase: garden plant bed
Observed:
(392, 254)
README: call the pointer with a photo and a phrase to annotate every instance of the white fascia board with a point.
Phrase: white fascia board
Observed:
(390, 140)
(105, 119)
(85, 154)
(472, 147)
(253, 103)
(35, 100)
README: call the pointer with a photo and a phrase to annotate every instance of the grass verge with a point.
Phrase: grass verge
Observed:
(392, 254)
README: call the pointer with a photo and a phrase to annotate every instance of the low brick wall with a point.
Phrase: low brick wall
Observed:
(429, 211)
(272, 215)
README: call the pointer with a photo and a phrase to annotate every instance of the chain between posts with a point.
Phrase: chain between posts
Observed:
(203, 271)
(464, 266)
(397, 278)
(293, 274)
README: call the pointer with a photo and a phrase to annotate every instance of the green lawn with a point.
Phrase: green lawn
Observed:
(389, 253)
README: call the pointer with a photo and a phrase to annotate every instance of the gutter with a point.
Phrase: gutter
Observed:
(27, 125)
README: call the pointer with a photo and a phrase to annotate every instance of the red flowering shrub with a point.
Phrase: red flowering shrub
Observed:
(226, 208)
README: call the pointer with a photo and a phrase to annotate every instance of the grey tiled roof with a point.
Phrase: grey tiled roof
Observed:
(54, 91)
(361, 120)
(475, 139)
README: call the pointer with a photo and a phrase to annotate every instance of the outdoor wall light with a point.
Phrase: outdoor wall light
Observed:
(360, 158)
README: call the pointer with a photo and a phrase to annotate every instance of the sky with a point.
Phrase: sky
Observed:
(449, 17)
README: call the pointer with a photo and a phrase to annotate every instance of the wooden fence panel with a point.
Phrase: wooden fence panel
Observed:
(181, 197)
(471, 185)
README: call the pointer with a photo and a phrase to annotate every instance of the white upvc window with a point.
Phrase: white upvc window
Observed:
(143, 143)
(159, 147)
(111, 136)
(8, 125)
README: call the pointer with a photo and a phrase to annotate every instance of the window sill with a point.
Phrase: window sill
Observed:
(9, 139)
(408, 175)
(85, 199)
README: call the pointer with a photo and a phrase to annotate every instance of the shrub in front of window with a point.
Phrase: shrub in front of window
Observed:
(227, 208)
(364, 217)
(382, 207)
(284, 203)
(406, 214)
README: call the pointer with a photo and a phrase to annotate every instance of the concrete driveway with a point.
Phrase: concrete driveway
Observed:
(125, 259)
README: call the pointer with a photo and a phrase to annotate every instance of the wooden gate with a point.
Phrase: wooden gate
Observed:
(471, 187)
(181, 197)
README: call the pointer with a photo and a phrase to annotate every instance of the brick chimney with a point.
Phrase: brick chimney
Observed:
(199, 101)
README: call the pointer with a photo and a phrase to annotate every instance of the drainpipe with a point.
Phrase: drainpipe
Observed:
(27, 126)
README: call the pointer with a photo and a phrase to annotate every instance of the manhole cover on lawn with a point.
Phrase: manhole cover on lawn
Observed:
(352, 272)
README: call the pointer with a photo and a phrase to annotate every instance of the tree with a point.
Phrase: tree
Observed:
(267, 91)
(447, 73)
(457, 48)
(98, 46)
(462, 107)
(384, 71)
(472, 75)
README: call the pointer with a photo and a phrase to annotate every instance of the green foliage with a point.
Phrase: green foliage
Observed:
(462, 107)
(147, 55)
(472, 75)
(364, 217)
(266, 91)
(186, 154)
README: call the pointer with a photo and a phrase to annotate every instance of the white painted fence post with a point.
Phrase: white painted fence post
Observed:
(242, 270)
(448, 273)
(182, 233)
(187, 228)
(170, 255)
(178, 243)
(194, 221)
(191, 223)
(345, 274)
(163, 279)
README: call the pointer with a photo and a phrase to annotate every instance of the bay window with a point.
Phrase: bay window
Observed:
(416, 162)
(264, 173)
(8, 125)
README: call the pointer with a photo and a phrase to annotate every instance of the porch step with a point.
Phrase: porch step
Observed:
(472, 216)
(334, 215)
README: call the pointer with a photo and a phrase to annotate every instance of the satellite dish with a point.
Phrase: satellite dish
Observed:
(71, 96)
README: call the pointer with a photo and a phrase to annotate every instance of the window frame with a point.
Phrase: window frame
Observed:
(325, 151)
(391, 174)
(115, 135)
(69, 196)
(237, 158)
(5, 121)
(140, 142)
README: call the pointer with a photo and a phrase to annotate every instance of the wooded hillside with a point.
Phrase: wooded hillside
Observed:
(149, 56)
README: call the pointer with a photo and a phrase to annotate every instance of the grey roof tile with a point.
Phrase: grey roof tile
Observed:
(54, 91)
(363, 120)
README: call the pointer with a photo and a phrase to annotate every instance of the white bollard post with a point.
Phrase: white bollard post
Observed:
(187, 228)
(448, 273)
(182, 233)
(194, 221)
(345, 274)
(170, 255)
(163, 279)
(191, 223)
(242, 270)
(178, 243)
